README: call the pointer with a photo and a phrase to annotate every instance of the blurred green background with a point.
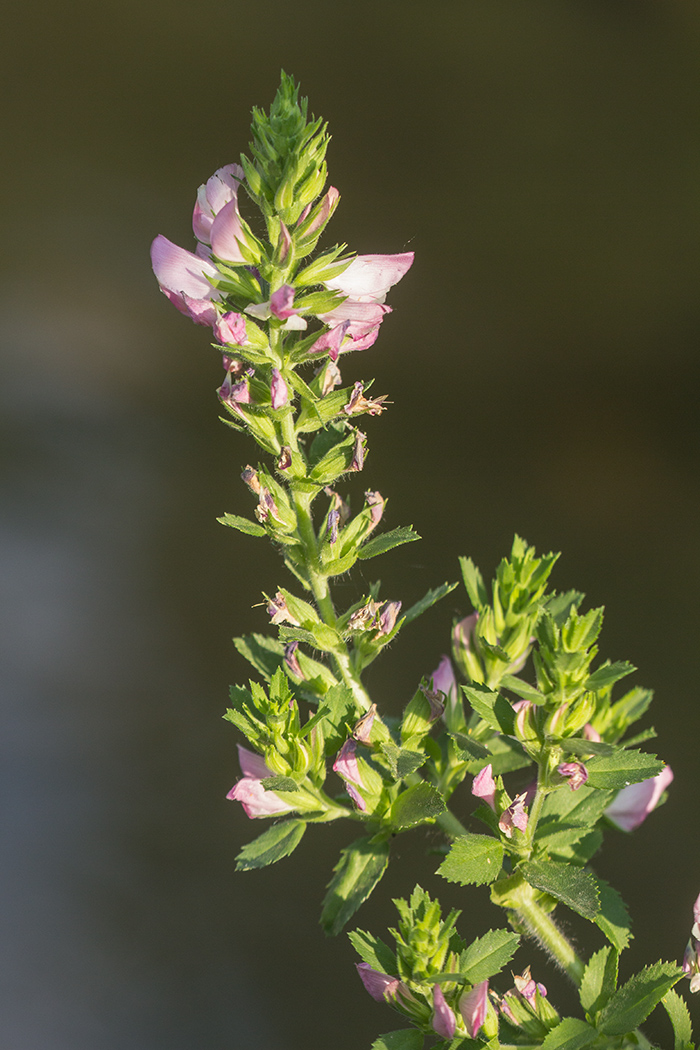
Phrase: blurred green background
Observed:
(543, 161)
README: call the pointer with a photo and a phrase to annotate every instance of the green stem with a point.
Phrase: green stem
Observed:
(540, 924)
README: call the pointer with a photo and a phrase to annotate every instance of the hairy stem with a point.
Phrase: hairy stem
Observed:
(541, 925)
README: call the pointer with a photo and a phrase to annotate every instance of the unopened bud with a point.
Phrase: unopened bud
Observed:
(292, 661)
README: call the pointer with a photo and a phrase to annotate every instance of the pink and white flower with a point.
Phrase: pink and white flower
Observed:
(256, 801)
(633, 804)
(484, 786)
(473, 1007)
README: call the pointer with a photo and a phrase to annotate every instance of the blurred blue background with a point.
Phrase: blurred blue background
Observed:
(543, 161)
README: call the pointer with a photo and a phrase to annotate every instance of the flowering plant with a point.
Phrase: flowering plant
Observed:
(521, 708)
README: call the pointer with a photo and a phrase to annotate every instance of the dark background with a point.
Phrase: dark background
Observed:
(543, 161)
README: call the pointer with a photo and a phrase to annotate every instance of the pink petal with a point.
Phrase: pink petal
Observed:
(379, 985)
(443, 1020)
(633, 804)
(221, 188)
(252, 764)
(371, 276)
(281, 302)
(225, 232)
(181, 273)
(484, 786)
(473, 1006)
(231, 329)
(330, 341)
(278, 390)
(443, 679)
(256, 801)
(326, 209)
(352, 310)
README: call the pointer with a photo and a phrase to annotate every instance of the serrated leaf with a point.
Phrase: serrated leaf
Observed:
(633, 1003)
(429, 600)
(608, 675)
(373, 951)
(613, 918)
(470, 748)
(570, 1034)
(387, 541)
(404, 1039)
(416, 805)
(264, 653)
(680, 1019)
(585, 806)
(473, 859)
(622, 769)
(277, 842)
(487, 955)
(235, 521)
(599, 980)
(570, 885)
(492, 707)
(553, 834)
(506, 755)
(358, 871)
(580, 852)
(402, 761)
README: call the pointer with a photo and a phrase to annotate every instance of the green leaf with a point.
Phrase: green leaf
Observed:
(599, 981)
(470, 748)
(613, 918)
(552, 834)
(622, 769)
(474, 583)
(279, 783)
(473, 859)
(277, 842)
(264, 653)
(492, 707)
(585, 806)
(373, 951)
(576, 745)
(404, 1039)
(570, 1034)
(402, 761)
(358, 871)
(242, 524)
(506, 755)
(430, 599)
(608, 675)
(522, 689)
(388, 540)
(416, 805)
(680, 1019)
(336, 462)
(572, 886)
(633, 1003)
(487, 955)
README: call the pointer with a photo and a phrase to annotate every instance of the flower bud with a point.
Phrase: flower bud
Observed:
(278, 390)
(388, 617)
(575, 772)
(443, 1019)
(292, 661)
(473, 1006)
(484, 786)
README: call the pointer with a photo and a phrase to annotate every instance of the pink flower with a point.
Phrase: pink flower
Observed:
(278, 390)
(473, 1006)
(484, 786)
(281, 302)
(256, 801)
(463, 631)
(379, 985)
(345, 766)
(633, 804)
(443, 1020)
(444, 681)
(527, 987)
(231, 329)
(216, 193)
(182, 277)
(388, 616)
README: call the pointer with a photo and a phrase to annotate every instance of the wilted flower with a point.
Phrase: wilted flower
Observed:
(363, 727)
(444, 681)
(437, 708)
(473, 1006)
(285, 460)
(575, 772)
(358, 453)
(332, 526)
(388, 617)
(278, 611)
(633, 804)
(331, 377)
(364, 617)
(484, 786)
(251, 479)
(514, 816)
(375, 501)
(292, 660)
(256, 801)
(443, 1020)
(527, 987)
(359, 403)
